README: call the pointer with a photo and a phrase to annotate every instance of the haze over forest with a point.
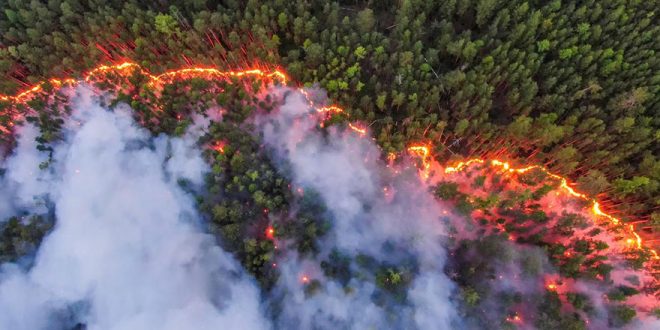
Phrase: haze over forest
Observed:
(407, 164)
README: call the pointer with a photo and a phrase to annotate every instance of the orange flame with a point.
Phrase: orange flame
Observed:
(515, 318)
(127, 68)
(219, 147)
(422, 151)
(391, 157)
(359, 130)
(564, 184)
(270, 232)
(462, 165)
(332, 108)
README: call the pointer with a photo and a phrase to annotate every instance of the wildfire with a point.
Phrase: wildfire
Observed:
(209, 73)
(25, 95)
(635, 239)
(423, 151)
(330, 109)
(462, 165)
(127, 68)
(551, 286)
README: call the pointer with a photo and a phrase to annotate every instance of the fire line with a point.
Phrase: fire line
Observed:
(422, 151)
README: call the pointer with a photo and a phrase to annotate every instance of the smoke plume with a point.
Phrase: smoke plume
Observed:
(127, 251)
(391, 218)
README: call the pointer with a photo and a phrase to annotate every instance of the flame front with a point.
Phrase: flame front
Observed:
(564, 185)
(422, 151)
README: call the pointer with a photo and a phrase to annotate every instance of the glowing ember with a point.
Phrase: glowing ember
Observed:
(330, 109)
(360, 130)
(551, 287)
(270, 232)
(422, 151)
(304, 279)
(514, 318)
(219, 147)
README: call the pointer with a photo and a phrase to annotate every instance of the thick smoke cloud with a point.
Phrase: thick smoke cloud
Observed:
(391, 218)
(23, 183)
(127, 251)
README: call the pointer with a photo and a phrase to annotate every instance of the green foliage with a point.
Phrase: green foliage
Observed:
(567, 53)
(360, 52)
(579, 301)
(446, 190)
(365, 21)
(20, 237)
(464, 206)
(621, 292)
(479, 181)
(470, 296)
(621, 315)
(627, 187)
(337, 267)
(549, 82)
(539, 216)
(487, 203)
(544, 190)
(656, 313)
(564, 87)
(550, 315)
(166, 24)
(593, 183)
(532, 264)
(312, 288)
(543, 45)
(393, 279)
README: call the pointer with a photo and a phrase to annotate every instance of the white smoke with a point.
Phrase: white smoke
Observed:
(127, 251)
(345, 169)
(23, 183)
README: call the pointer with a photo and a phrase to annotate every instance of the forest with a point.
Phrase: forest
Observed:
(569, 84)
(573, 86)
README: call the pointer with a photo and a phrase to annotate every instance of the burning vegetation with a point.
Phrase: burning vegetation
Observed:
(524, 247)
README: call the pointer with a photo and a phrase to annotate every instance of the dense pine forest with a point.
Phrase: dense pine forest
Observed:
(572, 86)
(569, 84)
